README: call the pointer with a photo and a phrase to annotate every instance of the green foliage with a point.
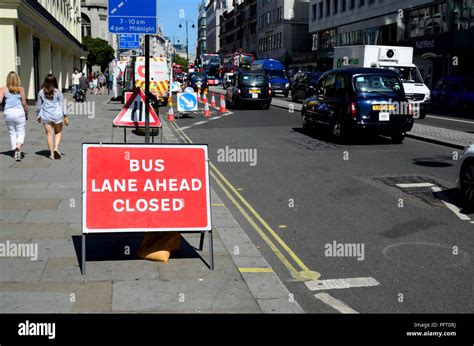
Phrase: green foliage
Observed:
(181, 61)
(100, 52)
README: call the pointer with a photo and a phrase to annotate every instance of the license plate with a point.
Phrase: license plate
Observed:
(383, 107)
(255, 96)
(254, 91)
(384, 116)
(278, 91)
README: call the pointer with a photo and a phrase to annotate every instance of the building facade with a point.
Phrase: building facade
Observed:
(238, 29)
(282, 28)
(214, 10)
(441, 32)
(201, 47)
(40, 37)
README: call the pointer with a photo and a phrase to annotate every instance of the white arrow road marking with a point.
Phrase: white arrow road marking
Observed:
(335, 303)
(319, 285)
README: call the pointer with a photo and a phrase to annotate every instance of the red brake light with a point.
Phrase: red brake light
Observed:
(353, 109)
(239, 92)
(410, 109)
(269, 92)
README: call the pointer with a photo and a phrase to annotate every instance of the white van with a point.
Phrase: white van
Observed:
(395, 58)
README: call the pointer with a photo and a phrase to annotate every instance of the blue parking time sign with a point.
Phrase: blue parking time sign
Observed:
(133, 17)
(129, 41)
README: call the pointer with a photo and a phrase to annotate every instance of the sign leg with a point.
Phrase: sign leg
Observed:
(211, 251)
(161, 135)
(113, 133)
(201, 241)
(83, 248)
(125, 135)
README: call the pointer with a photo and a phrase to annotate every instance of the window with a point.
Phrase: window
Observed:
(328, 8)
(340, 86)
(352, 4)
(329, 85)
(463, 14)
(427, 21)
(343, 5)
(320, 9)
(315, 11)
(336, 6)
(361, 3)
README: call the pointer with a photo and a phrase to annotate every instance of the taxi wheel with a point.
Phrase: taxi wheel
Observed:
(398, 138)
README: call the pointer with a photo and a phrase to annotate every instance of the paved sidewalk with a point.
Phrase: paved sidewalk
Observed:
(434, 134)
(40, 205)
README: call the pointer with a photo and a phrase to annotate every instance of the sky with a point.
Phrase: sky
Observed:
(169, 19)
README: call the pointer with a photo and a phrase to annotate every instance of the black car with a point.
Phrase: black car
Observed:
(197, 80)
(453, 94)
(359, 100)
(304, 85)
(250, 88)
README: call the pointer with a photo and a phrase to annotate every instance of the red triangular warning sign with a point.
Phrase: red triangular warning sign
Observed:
(133, 113)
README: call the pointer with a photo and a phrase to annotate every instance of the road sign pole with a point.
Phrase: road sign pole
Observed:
(147, 88)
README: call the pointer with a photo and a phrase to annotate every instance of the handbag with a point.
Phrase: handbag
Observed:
(65, 120)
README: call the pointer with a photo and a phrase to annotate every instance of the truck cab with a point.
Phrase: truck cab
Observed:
(395, 58)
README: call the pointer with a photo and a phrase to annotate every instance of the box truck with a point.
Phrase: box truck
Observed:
(395, 58)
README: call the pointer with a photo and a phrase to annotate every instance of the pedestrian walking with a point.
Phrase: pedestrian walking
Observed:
(15, 111)
(95, 85)
(102, 83)
(75, 82)
(50, 112)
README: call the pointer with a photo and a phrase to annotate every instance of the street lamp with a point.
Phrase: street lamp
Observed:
(193, 26)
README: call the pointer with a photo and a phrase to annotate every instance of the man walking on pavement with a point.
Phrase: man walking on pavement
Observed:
(75, 82)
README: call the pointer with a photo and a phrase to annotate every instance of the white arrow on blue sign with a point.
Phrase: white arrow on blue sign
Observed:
(133, 17)
(187, 102)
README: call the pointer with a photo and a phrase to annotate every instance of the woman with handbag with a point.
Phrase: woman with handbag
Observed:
(13, 99)
(50, 111)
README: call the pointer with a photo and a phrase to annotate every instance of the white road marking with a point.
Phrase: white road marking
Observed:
(335, 303)
(415, 185)
(457, 120)
(220, 116)
(450, 206)
(319, 285)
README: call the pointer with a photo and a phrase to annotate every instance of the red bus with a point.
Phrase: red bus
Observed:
(237, 61)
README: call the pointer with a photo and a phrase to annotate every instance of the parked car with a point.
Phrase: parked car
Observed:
(361, 100)
(249, 88)
(465, 179)
(453, 94)
(197, 80)
(304, 85)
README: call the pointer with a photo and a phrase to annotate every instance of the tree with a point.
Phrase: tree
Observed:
(181, 61)
(100, 52)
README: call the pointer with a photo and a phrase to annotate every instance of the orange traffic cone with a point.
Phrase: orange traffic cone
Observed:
(170, 111)
(213, 101)
(204, 97)
(222, 108)
(207, 112)
(199, 94)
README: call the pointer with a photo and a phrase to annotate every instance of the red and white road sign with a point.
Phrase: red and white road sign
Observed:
(133, 113)
(145, 188)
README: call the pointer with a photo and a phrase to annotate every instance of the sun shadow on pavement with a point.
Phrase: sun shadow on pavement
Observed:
(439, 161)
(325, 136)
(123, 247)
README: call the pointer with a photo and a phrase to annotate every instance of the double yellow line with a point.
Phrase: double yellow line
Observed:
(298, 270)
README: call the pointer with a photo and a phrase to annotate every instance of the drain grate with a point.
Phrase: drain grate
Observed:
(424, 193)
